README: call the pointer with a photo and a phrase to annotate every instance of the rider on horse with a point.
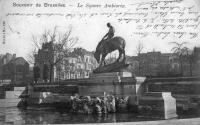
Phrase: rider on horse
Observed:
(108, 44)
(110, 33)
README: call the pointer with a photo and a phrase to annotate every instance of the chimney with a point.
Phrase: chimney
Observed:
(14, 56)
(7, 54)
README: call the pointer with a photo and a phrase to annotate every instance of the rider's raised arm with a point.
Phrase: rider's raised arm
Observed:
(105, 35)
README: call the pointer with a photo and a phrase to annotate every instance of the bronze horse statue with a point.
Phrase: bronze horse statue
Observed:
(104, 47)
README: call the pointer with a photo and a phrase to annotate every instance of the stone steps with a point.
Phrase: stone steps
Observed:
(11, 98)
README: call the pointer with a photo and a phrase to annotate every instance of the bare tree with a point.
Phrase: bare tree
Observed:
(179, 50)
(30, 56)
(60, 46)
(139, 49)
(37, 44)
(189, 57)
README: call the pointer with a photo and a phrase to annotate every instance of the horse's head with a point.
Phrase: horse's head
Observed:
(99, 50)
(97, 56)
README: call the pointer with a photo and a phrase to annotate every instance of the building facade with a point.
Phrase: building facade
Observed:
(76, 66)
(154, 64)
(196, 60)
(166, 64)
(14, 69)
(79, 63)
(43, 59)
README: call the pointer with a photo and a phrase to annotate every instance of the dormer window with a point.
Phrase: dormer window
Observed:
(45, 50)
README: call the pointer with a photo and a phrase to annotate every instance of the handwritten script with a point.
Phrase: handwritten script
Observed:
(169, 18)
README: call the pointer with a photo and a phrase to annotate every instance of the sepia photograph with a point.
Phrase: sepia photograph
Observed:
(124, 62)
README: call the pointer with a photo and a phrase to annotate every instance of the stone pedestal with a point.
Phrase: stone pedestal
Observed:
(108, 77)
(169, 105)
(113, 83)
(161, 104)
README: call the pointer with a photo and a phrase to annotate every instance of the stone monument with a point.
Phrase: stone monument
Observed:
(114, 78)
(160, 103)
(104, 48)
(116, 70)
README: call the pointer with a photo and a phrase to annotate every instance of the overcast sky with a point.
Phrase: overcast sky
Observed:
(19, 29)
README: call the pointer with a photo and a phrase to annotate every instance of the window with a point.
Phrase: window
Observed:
(86, 60)
(19, 68)
(79, 59)
(87, 73)
(78, 75)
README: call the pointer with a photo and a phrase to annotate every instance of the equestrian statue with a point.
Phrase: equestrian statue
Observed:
(108, 44)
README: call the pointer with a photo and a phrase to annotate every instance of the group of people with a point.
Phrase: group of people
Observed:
(98, 105)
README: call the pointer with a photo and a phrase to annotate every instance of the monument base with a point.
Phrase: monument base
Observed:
(161, 103)
(111, 77)
(114, 83)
